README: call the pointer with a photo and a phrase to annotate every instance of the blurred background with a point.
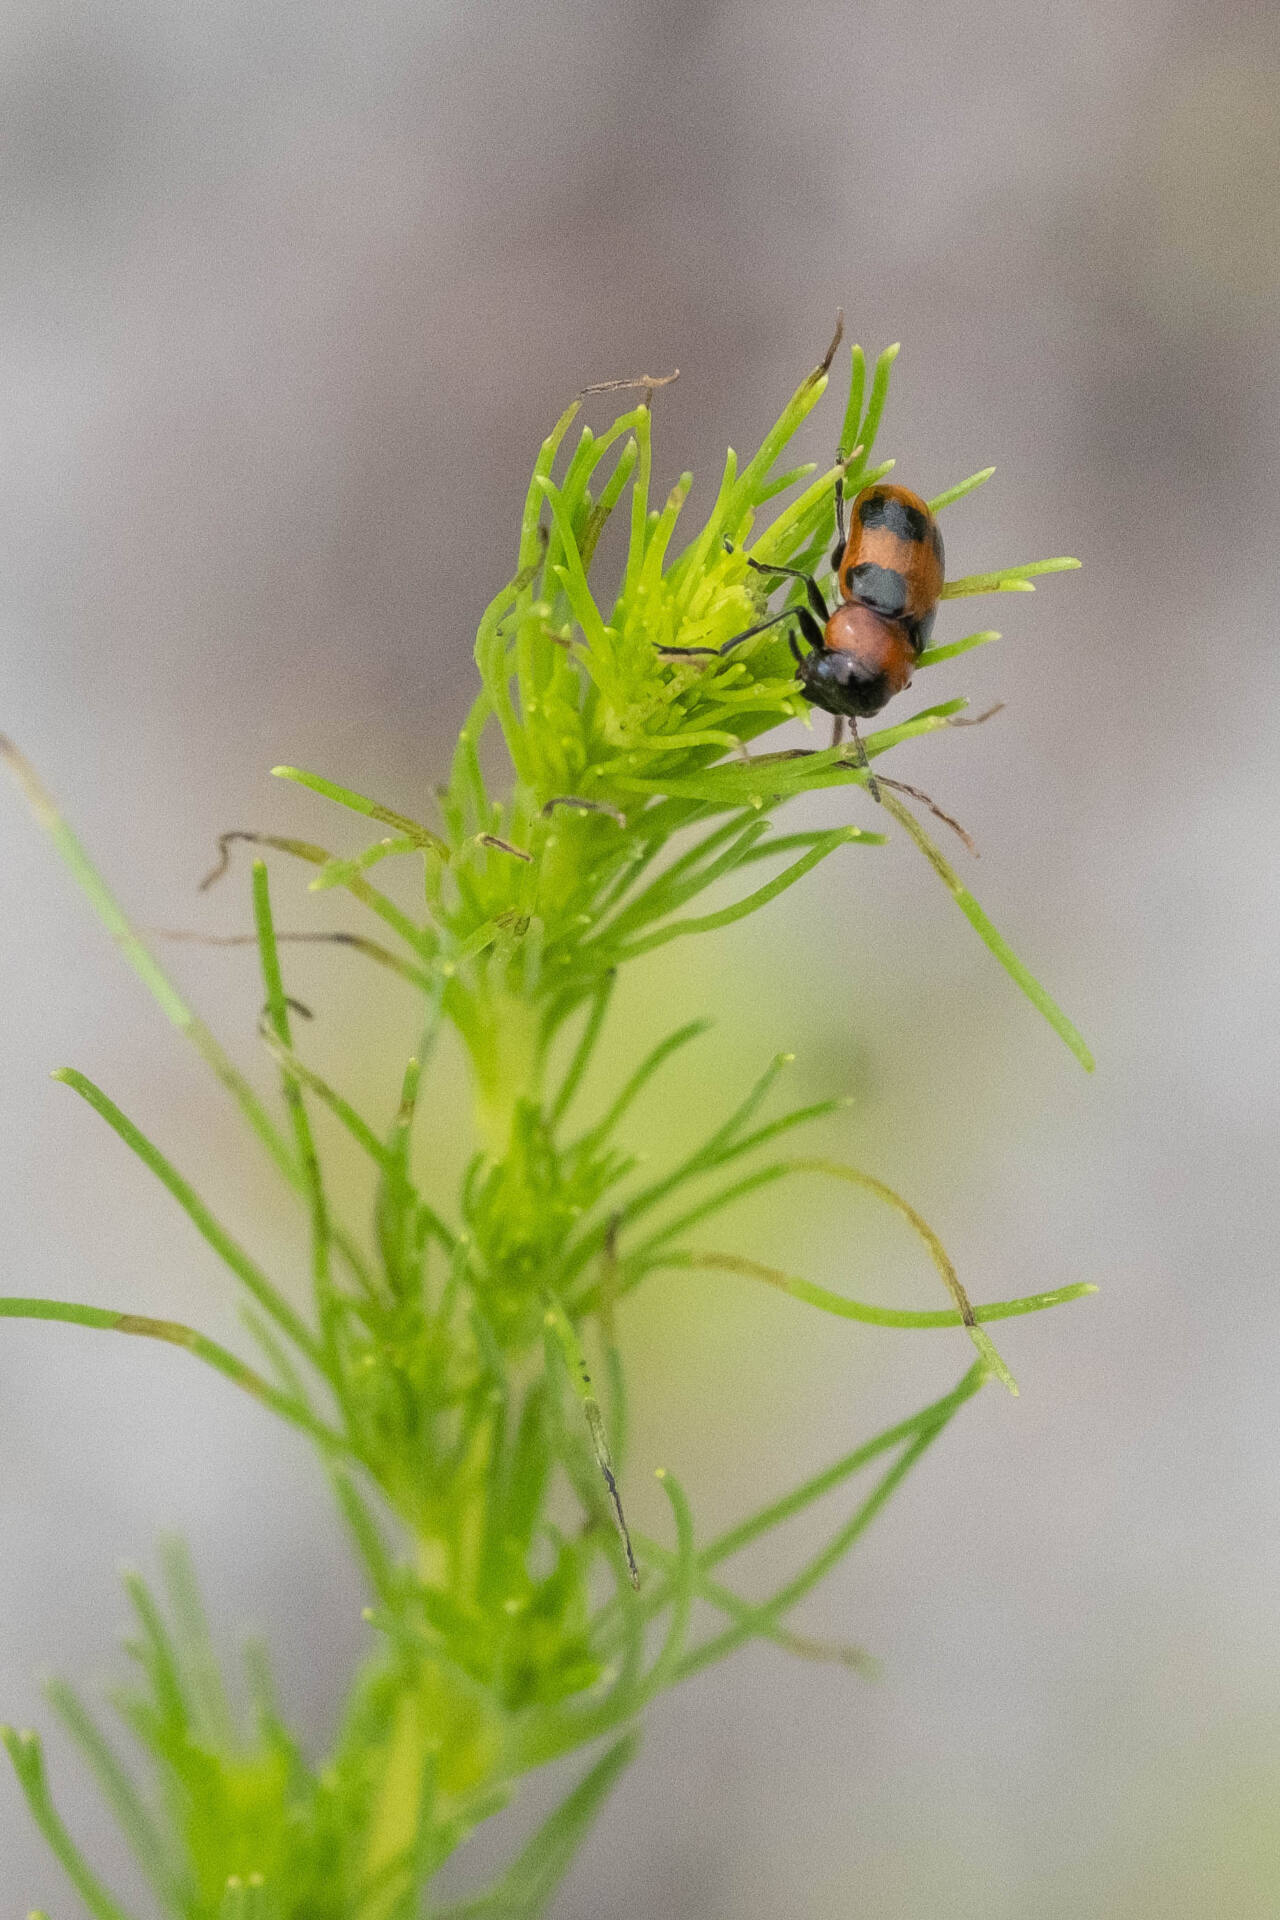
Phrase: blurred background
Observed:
(290, 296)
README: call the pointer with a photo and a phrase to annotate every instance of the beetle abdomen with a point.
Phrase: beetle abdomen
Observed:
(893, 559)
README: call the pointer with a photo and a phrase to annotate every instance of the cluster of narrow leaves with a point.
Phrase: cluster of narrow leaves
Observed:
(440, 1369)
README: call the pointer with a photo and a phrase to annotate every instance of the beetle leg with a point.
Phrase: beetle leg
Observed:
(860, 755)
(715, 653)
(812, 589)
(813, 632)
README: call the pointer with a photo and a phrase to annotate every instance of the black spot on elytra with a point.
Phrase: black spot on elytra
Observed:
(883, 589)
(883, 510)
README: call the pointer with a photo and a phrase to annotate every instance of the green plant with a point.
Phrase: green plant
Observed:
(440, 1371)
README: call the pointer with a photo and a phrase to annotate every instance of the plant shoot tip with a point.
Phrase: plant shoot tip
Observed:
(427, 1331)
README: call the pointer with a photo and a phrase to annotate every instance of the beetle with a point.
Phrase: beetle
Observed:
(889, 573)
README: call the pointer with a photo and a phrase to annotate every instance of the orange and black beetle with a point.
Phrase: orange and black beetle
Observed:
(889, 573)
(892, 559)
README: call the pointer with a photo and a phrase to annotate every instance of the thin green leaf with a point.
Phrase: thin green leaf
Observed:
(854, 1176)
(105, 1320)
(990, 937)
(396, 1211)
(572, 573)
(766, 1519)
(959, 491)
(658, 1057)
(526, 1889)
(870, 427)
(710, 922)
(581, 1057)
(372, 809)
(158, 1656)
(246, 1270)
(580, 1378)
(340, 873)
(143, 962)
(716, 1147)
(789, 842)
(746, 491)
(419, 938)
(154, 1851)
(1005, 579)
(769, 778)
(703, 1159)
(561, 1733)
(929, 1419)
(210, 1708)
(364, 1531)
(932, 655)
(767, 1616)
(685, 876)
(25, 1752)
(642, 1260)
(846, 1309)
(277, 1018)
(338, 1105)
(611, 493)
(853, 406)
(681, 1588)
(749, 1614)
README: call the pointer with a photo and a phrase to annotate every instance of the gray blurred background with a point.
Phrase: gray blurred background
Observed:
(289, 297)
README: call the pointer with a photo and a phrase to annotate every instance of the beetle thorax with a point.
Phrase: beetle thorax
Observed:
(877, 646)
